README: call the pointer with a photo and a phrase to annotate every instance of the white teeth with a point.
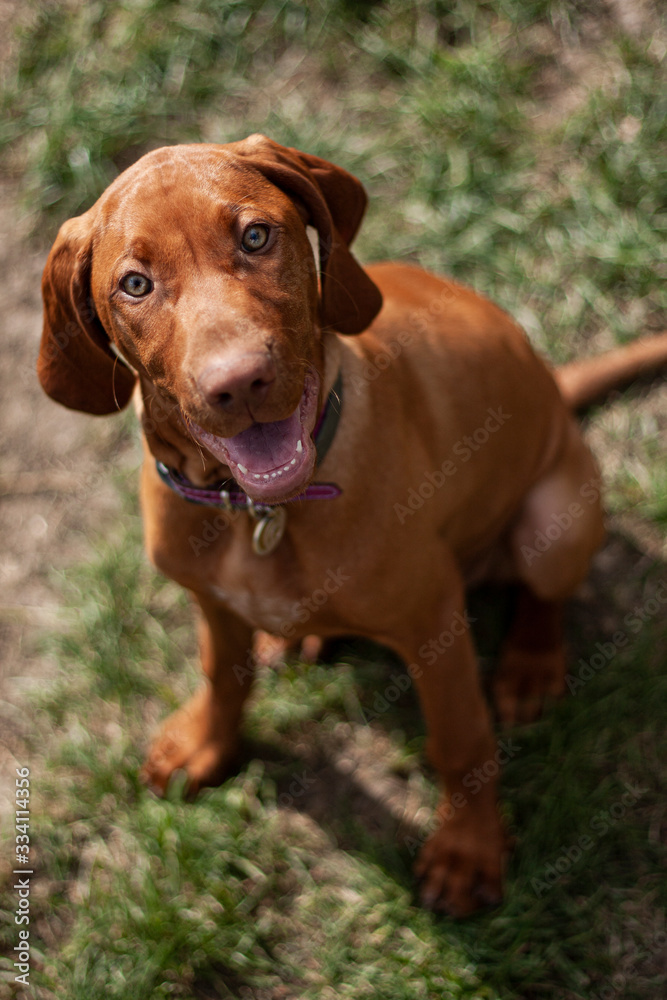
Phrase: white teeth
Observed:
(244, 472)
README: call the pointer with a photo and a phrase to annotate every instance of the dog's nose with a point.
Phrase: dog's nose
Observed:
(238, 384)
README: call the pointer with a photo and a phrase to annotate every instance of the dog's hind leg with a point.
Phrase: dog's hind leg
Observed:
(559, 528)
(532, 660)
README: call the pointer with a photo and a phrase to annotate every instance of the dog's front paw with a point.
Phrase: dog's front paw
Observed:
(190, 743)
(527, 681)
(461, 865)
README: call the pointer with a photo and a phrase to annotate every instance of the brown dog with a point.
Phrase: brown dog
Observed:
(364, 478)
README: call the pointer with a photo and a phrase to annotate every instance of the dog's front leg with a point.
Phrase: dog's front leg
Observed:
(461, 863)
(201, 738)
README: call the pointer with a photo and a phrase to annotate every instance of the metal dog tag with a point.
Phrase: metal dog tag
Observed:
(269, 529)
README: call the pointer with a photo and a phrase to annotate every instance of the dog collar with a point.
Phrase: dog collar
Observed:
(270, 517)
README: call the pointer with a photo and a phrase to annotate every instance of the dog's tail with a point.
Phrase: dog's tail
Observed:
(585, 381)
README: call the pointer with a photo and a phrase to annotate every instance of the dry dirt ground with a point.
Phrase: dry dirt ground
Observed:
(55, 490)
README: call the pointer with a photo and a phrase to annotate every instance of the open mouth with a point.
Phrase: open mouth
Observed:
(271, 461)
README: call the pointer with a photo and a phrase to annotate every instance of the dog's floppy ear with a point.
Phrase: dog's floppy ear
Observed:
(335, 201)
(76, 365)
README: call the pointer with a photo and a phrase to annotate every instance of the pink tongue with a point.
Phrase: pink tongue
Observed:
(263, 447)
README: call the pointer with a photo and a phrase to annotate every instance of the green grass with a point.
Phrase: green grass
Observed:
(440, 108)
(153, 898)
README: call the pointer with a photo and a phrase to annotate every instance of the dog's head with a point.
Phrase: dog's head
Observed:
(195, 266)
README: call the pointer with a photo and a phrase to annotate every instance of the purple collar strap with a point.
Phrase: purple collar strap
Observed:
(229, 495)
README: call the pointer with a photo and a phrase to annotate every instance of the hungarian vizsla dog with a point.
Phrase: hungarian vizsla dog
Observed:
(329, 451)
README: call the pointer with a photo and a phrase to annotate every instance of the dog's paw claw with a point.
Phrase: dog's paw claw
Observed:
(187, 754)
(461, 867)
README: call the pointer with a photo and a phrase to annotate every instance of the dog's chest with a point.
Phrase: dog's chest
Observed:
(271, 611)
(287, 593)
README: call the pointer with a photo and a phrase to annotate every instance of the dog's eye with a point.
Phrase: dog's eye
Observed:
(255, 237)
(136, 285)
